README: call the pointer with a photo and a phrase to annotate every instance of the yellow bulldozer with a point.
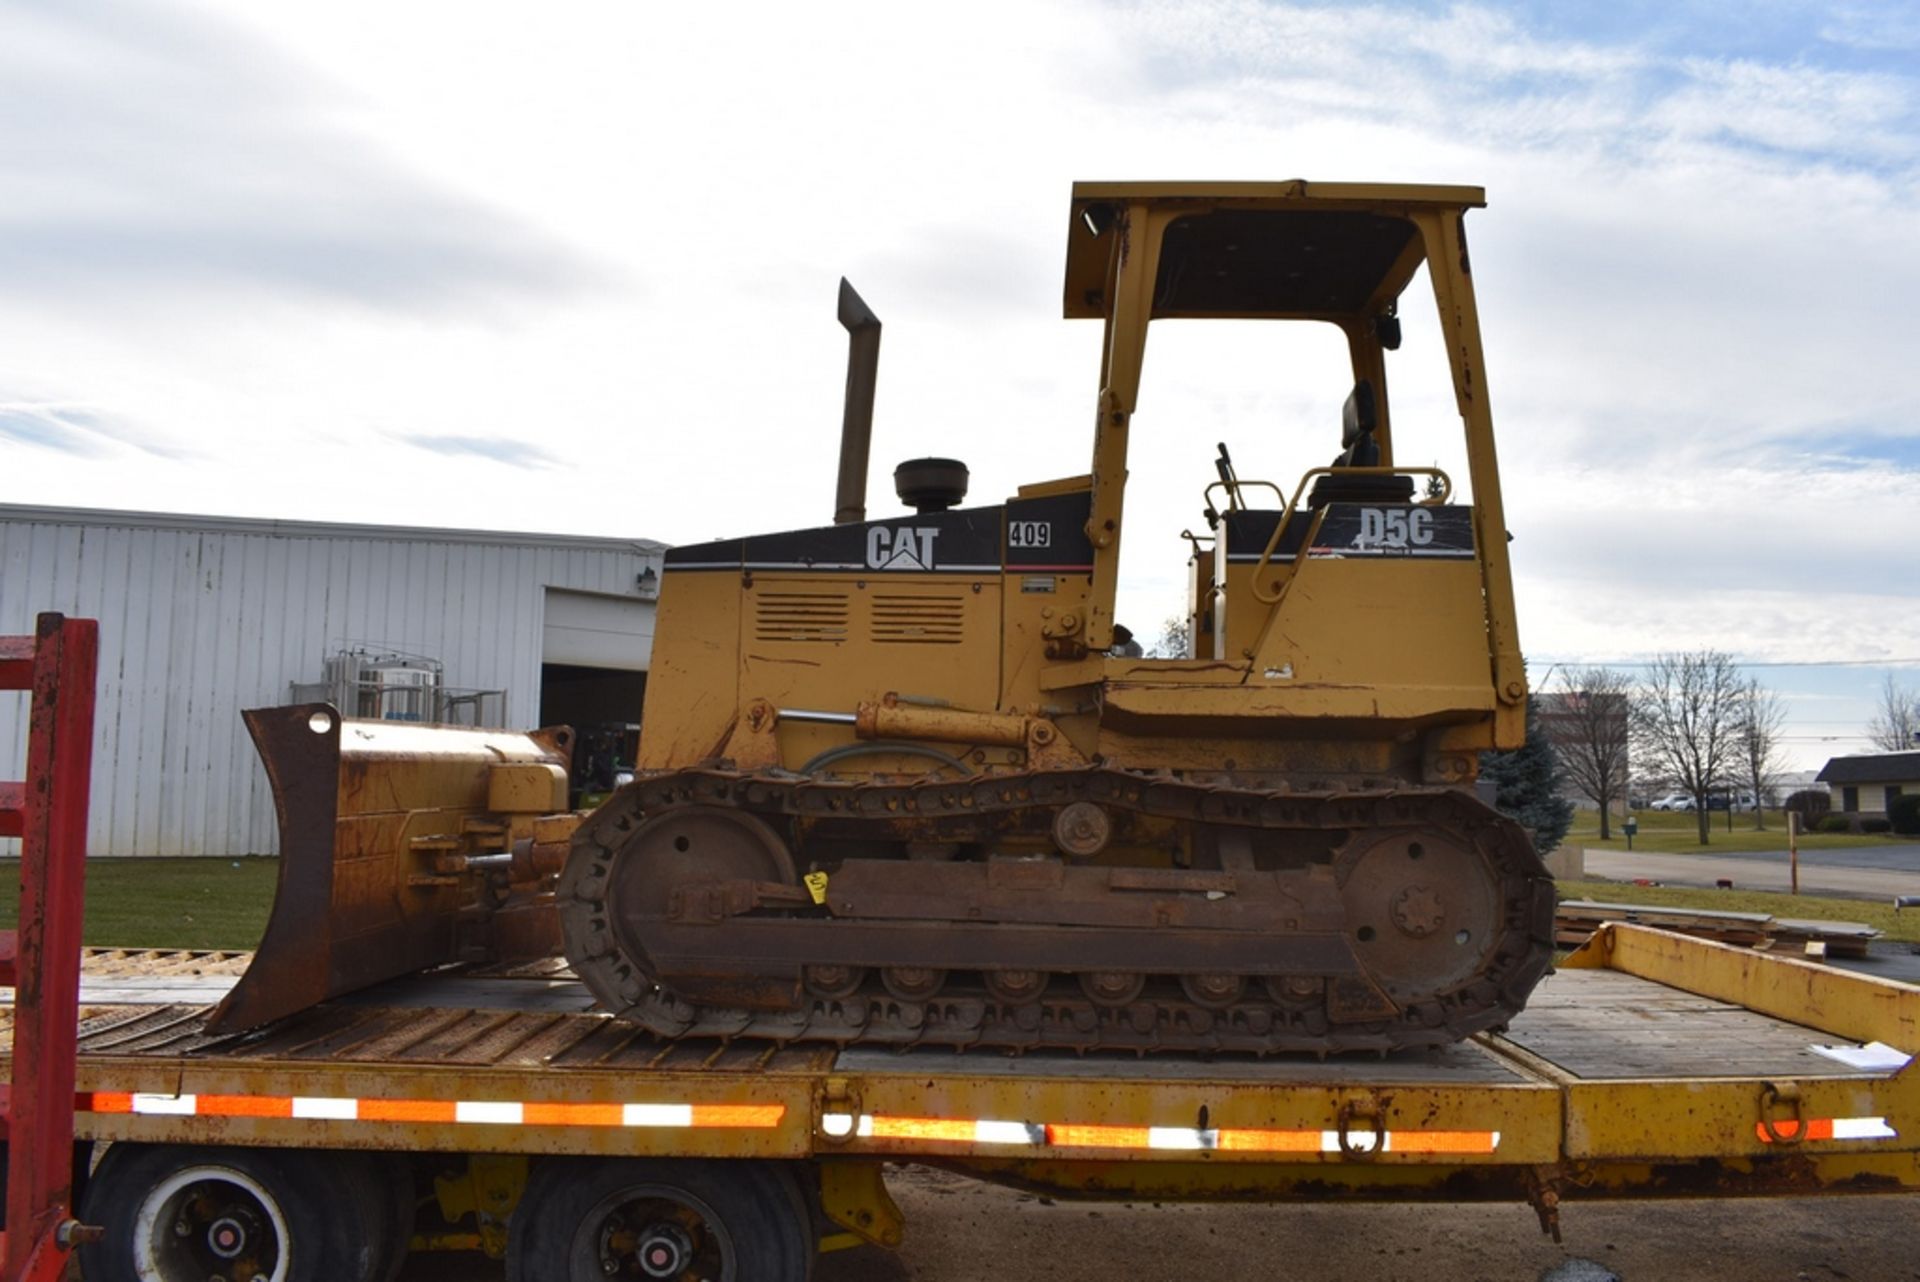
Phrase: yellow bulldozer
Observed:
(901, 780)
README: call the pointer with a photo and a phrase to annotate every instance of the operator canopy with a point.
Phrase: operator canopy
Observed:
(1298, 250)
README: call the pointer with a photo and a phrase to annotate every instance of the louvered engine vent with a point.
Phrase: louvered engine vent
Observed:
(800, 616)
(918, 620)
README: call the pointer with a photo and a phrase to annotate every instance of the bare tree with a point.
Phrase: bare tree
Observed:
(1896, 722)
(1174, 632)
(1687, 721)
(1590, 724)
(1761, 716)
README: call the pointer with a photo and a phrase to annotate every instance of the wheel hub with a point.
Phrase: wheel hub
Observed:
(227, 1237)
(665, 1251)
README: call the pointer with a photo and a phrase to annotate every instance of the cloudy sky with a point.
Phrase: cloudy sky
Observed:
(573, 269)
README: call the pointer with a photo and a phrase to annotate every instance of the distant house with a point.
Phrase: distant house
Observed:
(1868, 784)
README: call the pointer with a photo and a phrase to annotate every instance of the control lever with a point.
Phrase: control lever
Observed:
(1229, 478)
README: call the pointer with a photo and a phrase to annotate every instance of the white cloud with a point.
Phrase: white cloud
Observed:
(279, 238)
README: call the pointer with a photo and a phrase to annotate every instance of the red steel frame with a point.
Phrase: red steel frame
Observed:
(48, 812)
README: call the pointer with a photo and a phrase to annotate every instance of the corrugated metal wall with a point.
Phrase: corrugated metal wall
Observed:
(199, 619)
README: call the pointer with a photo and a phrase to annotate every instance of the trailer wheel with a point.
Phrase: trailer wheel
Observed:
(175, 1213)
(588, 1219)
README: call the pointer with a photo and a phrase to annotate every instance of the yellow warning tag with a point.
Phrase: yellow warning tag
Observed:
(816, 883)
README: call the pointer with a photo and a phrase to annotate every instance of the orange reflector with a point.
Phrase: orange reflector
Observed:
(921, 1128)
(1254, 1140)
(571, 1114)
(1441, 1142)
(244, 1105)
(757, 1116)
(1072, 1136)
(406, 1110)
(1820, 1128)
(108, 1102)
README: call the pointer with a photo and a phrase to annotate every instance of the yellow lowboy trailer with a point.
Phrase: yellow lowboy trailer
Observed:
(492, 1109)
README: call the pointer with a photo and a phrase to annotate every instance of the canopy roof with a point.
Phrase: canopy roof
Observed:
(1287, 249)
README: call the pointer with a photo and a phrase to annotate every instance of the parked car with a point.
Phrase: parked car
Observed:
(1673, 801)
(1729, 801)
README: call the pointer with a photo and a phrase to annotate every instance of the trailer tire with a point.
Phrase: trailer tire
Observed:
(305, 1215)
(385, 1185)
(734, 1221)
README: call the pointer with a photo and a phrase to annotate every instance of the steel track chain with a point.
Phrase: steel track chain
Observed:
(1153, 1023)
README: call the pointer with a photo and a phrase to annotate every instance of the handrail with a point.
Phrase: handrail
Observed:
(1233, 491)
(1273, 540)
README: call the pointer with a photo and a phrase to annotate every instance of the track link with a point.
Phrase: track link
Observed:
(1329, 1013)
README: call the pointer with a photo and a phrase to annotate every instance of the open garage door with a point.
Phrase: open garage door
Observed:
(593, 677)
(587, 630)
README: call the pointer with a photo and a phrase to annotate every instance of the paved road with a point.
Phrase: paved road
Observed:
(1866, 872)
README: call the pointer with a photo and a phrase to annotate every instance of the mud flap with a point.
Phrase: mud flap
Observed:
(396, 844)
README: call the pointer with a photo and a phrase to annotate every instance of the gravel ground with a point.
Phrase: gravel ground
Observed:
(959, 1230)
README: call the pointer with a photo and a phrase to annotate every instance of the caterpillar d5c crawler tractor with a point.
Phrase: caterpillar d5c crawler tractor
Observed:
(897, 783)
(896, 786)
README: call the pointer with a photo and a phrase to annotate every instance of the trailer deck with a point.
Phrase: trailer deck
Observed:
(1649, 1064)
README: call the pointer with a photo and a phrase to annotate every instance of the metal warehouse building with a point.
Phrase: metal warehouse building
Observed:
(203, 616)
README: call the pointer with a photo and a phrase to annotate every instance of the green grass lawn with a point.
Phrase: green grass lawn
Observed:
(166, 903)
(223, 903)
(1677, 833)
(1876, 913)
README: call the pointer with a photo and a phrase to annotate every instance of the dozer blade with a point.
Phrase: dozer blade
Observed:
(398, 853)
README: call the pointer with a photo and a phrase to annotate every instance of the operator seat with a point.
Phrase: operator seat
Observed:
(1358, 418)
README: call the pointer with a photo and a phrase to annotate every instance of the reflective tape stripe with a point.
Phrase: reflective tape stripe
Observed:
(1827, 1128)
(574, 1114)
(1248, 1140)
(1009, 1133)
(243, 1105)
(917, 1128)
(163, 1105)
(1180, 1137)
(1442, 1141)
(1863, 1128)
(1075, 1136)
(757, 1117)
(1357, 1141)
(409, 1110)
(427, 1111)
(1162, 1138)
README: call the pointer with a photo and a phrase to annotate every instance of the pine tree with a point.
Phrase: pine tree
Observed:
(1526, 785)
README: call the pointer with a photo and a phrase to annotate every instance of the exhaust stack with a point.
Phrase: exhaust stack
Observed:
(856, 423)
